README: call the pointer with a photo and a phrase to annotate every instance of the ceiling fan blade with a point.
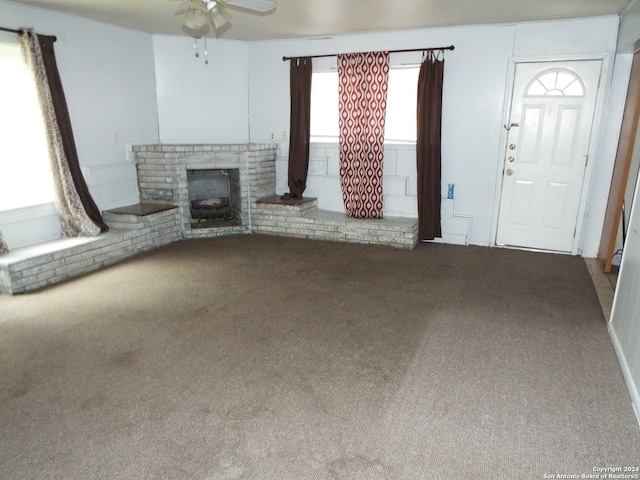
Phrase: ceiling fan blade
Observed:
(256, 5)
(182, 6)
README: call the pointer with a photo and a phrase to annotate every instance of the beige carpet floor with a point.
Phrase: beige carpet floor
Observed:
(268, 358)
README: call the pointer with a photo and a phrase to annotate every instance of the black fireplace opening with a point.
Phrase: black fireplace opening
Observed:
(214, 197)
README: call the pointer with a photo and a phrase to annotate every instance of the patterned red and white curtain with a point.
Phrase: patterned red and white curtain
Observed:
(363, 84)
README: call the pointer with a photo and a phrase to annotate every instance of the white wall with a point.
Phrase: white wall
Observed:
(625, 318)
(199, 102)
(112, 76)
(108, 77)
(399, 179)
(475, 87)
(475, 76)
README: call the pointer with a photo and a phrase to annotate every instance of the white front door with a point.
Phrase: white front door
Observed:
(549, 131)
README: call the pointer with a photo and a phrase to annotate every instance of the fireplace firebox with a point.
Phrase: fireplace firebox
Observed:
(214, 197)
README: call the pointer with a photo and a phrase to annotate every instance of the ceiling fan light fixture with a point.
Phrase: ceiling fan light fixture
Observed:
(196, 15)
(218, 16)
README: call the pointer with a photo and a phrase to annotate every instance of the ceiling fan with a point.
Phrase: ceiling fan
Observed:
(198, 13)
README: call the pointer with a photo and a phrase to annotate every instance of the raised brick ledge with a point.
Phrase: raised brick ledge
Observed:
(33, 267)
(307, 221)
(40, 261)
(46, 251)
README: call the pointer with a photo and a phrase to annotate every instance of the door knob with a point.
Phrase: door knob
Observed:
(509, 172)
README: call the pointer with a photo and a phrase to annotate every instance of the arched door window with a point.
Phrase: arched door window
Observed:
(556, 82)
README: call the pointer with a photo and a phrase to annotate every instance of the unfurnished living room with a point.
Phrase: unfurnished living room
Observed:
(250, 239)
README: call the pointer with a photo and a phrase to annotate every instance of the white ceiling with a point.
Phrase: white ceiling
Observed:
(317, 18)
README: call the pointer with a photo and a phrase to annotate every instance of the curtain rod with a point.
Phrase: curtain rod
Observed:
(450, 47)
(18, 32)
(10, 30)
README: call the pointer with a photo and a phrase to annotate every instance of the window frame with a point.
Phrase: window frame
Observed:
(42, 203)
(397, 61)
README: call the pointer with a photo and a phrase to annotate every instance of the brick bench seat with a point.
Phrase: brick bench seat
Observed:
(140, 228)
(303, 219)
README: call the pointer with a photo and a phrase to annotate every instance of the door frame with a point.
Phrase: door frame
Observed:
(594, 140)
(621, 165)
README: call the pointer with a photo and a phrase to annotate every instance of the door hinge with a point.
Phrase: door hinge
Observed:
(586, 160)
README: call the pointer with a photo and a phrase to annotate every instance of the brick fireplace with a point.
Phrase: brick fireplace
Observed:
(163, 176)
(179, 174)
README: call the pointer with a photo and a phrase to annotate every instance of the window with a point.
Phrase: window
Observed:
(324, 106)
(556, 82)
(25, 177)
(400, 124)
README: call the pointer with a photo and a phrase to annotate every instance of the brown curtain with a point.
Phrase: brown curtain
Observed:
(428, 146)
(78, 213)
(301, 71)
